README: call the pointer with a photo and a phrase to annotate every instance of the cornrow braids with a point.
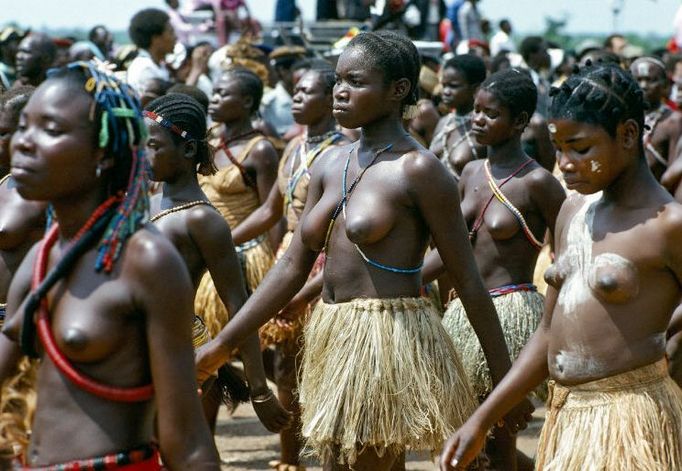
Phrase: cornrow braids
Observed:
(14, 100)
(515, 89)
(120, 131)
(187, 113)
(395, 56)
(604, 95)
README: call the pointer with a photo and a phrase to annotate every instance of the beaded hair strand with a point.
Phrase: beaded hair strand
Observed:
(121, 131)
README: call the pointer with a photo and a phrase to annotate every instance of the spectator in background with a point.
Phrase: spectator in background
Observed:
(84, 51)
(615, 43)
(35, 55)
(10, 37)
(101, 37)
(185, 31)
(502, 40)
(63, 46)
(469, 20)
(534, 52)
(326, 10)
(151, 31)
(286, 10)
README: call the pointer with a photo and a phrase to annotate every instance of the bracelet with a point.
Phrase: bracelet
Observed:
(264, 397)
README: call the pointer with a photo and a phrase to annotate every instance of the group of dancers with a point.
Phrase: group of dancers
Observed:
(126, 301)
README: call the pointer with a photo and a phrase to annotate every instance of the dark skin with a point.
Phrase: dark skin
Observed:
(312, 108)
(537, 135)
(202, 237)
(33, 60)
(457, 94)
(127, 328)
(22, 222)
(400, 190)
(503, 253)
(232, 107)
(423, 126)
(653, 81)
(602, 333)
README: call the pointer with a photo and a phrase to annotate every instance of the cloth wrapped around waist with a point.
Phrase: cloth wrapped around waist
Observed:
(380, 373)
(143, 458)
(630, 422)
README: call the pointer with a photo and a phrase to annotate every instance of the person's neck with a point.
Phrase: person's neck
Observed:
(465, 109)
(183, 189)
(156, 54)
(327, 124)
(638, 176)
(385, 131)
(237, 128)
(655, 106)
(73, 212)
(508, 154)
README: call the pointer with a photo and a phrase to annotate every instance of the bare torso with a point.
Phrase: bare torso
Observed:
(453, 142)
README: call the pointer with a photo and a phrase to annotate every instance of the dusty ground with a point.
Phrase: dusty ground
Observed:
(244, 444)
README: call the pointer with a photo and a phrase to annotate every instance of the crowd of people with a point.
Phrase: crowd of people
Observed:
(415, 249)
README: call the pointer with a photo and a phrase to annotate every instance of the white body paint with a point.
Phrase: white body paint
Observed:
(595, 166)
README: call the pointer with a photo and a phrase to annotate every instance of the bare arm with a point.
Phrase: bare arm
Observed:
(262, 219)
(262, 161)
(432, 182)
(166, 302)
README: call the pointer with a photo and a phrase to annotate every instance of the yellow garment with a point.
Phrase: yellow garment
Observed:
(293, 210)
(628, 422)
(380, 373)
(235, 200)
(17, 405)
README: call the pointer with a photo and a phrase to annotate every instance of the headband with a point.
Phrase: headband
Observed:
(167, 124)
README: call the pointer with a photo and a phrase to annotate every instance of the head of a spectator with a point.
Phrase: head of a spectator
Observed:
(190, 90)
(10, 37)
(63, 46)
(651, 76)
(615, 43)
(84, 51)
(533, 49)
(153, 89)
(505, 26)
(282, 60)
(500, 62)
(150, 29)
(101, 37)
(173, 4)
(599, 56)
(35, 55)
(11, 104)
(460, 79)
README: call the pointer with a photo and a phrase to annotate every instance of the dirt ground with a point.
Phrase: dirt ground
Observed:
(244, 444)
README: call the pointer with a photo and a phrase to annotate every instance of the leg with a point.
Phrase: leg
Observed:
(210, 402)
(285, 377)
(369, 460)
(502, 450)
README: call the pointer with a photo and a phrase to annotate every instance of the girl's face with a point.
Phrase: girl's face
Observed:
(588, 156)
(457, 93)
(361, 95)
(492, 122)
(164, 156)
(228, 103)
(53, 149)
(310, 102)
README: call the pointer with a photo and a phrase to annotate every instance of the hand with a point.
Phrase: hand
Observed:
(200, 56)
(208, 358)
(294, 308)
(517, 419)
(463, 447)
(270, 412)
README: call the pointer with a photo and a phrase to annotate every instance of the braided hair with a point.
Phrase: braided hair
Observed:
(470, 65)
(14, 100)
(395, 56)
(120, 131)
(187, 114)
(514, 89)
(604, 95)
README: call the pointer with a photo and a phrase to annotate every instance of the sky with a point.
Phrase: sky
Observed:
(527, 16)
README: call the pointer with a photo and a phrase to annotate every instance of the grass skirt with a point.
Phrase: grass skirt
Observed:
(17, 405)
(379, 373)
(257, 260)
(289, 335)
(519, 313)
(629, 422)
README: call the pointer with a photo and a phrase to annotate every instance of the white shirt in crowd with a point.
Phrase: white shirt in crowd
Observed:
(501, 42)
(143, 68)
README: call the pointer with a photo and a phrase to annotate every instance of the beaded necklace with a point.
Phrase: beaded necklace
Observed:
(320, 138)
(341, 207)
(181, 207)
(5, 178)
(479, 220)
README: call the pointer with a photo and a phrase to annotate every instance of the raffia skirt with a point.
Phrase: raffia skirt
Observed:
(17, 405)
(627, 422)
(256, 258)
(379, 373)
(519, 312)
(289, 335)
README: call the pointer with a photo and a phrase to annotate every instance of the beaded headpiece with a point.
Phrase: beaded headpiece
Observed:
(166, 123)
(121, 127)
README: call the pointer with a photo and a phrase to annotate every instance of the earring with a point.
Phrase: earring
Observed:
(98, 171)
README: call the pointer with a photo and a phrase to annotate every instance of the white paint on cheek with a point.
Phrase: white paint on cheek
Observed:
(595, 166)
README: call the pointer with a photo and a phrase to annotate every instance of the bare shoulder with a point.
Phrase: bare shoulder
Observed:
(203, 216)
(333, 161)
(424, 171)
(540, 179)
(671, 219)
(149, 253)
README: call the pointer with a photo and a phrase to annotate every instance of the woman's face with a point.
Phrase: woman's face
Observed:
(53, 149)
(457, 93)
(164, 156)
(361, 95)
(227, 103)
(492, 122)
(588, 156)
(310, 102)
